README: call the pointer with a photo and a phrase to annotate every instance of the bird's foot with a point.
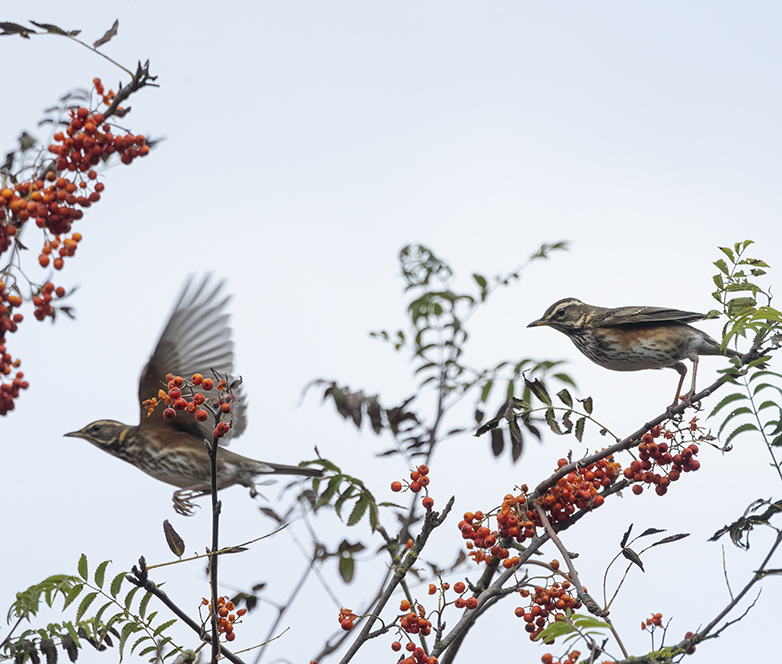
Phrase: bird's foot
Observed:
(183, 501)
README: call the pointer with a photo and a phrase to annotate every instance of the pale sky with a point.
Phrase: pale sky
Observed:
(306, 143)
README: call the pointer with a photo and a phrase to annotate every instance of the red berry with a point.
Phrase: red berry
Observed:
(396, 486)
(202, 415)
(169, 413)
(428, 502)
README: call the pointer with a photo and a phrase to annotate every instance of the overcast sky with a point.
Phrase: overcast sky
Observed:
(306, 143)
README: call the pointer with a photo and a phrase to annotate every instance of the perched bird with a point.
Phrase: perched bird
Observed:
(634, 338)
(196, 339)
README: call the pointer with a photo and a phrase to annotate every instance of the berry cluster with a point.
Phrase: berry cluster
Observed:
(672, 459)
(412, 622)
(417, 654)
(226, 618)
(546, 605)
(572, 658)
(54, 197)
(175, 402)
(481, 538)
(577, 490)
(419, 479)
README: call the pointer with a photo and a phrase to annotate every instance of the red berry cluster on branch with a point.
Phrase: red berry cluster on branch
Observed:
(672, 458)
(175, 402)
(482, 538)
(571, 658)
(226, 618)
(576, 490)
(546, 605)
(412, 622)
(54, 197)
(419, 479)
(417, 654)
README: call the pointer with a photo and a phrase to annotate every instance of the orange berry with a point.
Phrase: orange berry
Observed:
(396, 486)
(396, 646)
(201, 415)
(428, 502)
(197, 379)
(58, 263)
(459, 587)
(207, 384)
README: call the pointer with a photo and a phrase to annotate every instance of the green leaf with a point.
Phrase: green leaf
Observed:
(174, 541)
(736, 396)
(722, 266)
(100, 573)
(747, 426)
(127, 630)
(142, 607)
(564, 378)
(729, 253)
(580, 429)
(84, 605)
(331, 489)
(138, 642)
(587, 403)
(129, 597)
(83, 572)
(99, 615)
(551, 420)
(742, 410)
(565, 397)
(373, 516)
(147, 651)
(539, 390)
(346, 568)
(358, 511)
(164, 626)
(486, 390)
(116, 584)
(73, 593)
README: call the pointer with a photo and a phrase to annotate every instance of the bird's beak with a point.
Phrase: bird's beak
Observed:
(537, 323)
(74, 434)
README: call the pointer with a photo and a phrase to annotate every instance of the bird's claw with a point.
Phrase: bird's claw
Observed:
(183, 501)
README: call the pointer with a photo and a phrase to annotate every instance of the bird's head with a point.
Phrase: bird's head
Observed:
(566, 315)
(105, 434)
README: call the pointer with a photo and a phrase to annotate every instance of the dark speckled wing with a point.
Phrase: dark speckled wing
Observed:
(633, 315)
(196, 338)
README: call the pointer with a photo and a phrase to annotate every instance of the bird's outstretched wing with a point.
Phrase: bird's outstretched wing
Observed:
(196, 339)
(632, 315)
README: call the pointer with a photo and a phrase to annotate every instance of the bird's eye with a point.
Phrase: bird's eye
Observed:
(560, 313)
(95, 428)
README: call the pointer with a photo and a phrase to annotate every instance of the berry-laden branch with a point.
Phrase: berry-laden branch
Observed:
(54, 191)
(432, 521)
(140, 578)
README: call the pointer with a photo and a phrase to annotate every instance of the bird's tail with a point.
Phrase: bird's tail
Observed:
(282, 469)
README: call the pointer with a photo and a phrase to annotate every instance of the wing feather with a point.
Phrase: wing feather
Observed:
(196, 338)
(633, 315)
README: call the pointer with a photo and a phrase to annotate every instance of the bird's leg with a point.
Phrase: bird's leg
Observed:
(681, 368)
(183, 500)
(688, 396)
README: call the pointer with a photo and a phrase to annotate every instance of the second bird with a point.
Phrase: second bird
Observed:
(634, 338)
(196, 338)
